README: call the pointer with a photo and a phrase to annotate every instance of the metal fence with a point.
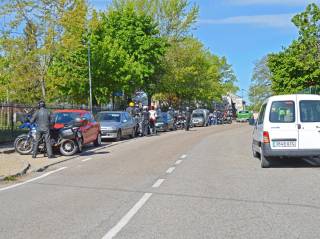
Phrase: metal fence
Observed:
(12, 116)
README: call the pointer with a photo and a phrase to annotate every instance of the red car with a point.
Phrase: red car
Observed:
(91, 132)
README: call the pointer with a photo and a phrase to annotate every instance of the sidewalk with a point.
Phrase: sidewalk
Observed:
(6, 148)
(13, 164)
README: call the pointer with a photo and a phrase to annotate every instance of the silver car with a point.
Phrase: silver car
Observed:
(116, 125)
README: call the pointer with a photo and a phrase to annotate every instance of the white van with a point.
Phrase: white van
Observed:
(287, 126)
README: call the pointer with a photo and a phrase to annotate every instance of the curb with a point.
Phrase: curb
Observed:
(7, 151)
(23, 171)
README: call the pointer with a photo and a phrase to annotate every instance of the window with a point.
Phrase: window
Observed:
(114, 117)
(310, 111)
(262, 113)
(282, 112)
(65, 117)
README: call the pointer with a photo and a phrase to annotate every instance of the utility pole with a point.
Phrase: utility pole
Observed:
(90, 80)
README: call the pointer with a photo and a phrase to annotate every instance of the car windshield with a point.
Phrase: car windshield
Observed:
(65, 117)
(310, 111)
(113, 117)
(243, 112)
(197, 115)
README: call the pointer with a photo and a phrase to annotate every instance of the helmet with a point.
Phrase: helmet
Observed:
(41, 104)
(131, 104)
(187, 108)
(145, 108)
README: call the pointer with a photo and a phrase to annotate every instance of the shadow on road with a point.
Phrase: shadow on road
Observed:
(296, 163)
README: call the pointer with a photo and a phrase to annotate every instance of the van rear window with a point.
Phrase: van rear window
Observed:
(310, 111)
(282, 112)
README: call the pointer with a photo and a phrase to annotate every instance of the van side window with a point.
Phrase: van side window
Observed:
(310, 111)
(282, 112)
(262, 113)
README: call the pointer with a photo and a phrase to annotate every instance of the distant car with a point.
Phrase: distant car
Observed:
(200, 117)
(90, 129)
(165, 122)
(244, 116)
(116, 125)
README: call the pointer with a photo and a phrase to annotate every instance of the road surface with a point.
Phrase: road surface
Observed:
(198, 184)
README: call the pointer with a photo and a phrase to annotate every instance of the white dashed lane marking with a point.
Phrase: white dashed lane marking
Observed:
(158, 183)
(85, 160)
(178, 162)
(126, 219)
(170, 170)
(183, 156)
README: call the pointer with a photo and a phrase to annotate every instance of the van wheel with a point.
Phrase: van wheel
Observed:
(265, 162)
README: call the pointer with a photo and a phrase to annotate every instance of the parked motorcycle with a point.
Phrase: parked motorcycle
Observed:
(68, 139)
(23, 143)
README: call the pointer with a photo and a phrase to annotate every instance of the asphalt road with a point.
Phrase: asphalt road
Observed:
(198, 184)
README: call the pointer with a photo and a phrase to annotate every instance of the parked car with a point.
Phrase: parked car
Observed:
(90, 129)
(244, 116)
(287, 126)
(200, 117)
(165, 122)
(116, 125)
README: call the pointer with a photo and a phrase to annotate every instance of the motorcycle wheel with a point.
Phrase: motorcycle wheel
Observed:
(23, 145)
(68, 148)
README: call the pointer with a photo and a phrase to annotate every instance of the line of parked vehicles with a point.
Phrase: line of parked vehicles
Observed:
(72, 129)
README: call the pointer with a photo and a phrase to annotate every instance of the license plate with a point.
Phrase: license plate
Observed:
(284, 144)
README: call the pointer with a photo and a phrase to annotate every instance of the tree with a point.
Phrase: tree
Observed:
(297, 66)
(45, 23)
(260, 88)
(126, 51)
(174, 17)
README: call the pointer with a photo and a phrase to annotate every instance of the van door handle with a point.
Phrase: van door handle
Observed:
(299, 126)
(318, 127)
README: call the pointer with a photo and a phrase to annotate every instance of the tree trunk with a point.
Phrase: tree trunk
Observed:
(149, 100)
(43, 88)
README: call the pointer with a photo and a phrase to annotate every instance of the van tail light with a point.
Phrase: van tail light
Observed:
(266, 137)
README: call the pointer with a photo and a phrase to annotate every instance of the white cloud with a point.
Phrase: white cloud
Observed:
(272, 2)
(279, 20)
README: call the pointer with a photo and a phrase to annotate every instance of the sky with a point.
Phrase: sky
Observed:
(244, 30)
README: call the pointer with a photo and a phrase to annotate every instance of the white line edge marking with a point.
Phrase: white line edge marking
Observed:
(170, 170)
(124, 221)
(178, 162)
(158, 183)
(33, 179)
(85, 160)
(183, 156)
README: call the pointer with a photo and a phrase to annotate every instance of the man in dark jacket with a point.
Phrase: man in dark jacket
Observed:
(188, 118)
(42, 118)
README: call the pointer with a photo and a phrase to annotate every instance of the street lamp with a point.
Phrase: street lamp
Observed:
(90, 80)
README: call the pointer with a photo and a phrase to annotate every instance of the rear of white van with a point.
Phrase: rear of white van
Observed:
(292, 126)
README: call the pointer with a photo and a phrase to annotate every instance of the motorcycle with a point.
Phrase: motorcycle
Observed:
(23, 144)
(69, 140)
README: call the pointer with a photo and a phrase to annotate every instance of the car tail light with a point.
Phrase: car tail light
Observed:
(266, 137)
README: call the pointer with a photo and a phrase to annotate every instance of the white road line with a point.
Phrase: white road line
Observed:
(178, 162)
(170, 170)
(85, 160)
(183, 156)
(124, 221)
(33, 179)
(158, 183)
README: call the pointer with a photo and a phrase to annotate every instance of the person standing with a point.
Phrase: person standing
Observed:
(188, 118)
(42, 118)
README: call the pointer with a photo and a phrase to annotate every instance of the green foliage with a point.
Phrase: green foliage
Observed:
(174, 17)
(260, 88)
(297, 67)
(135, 45)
